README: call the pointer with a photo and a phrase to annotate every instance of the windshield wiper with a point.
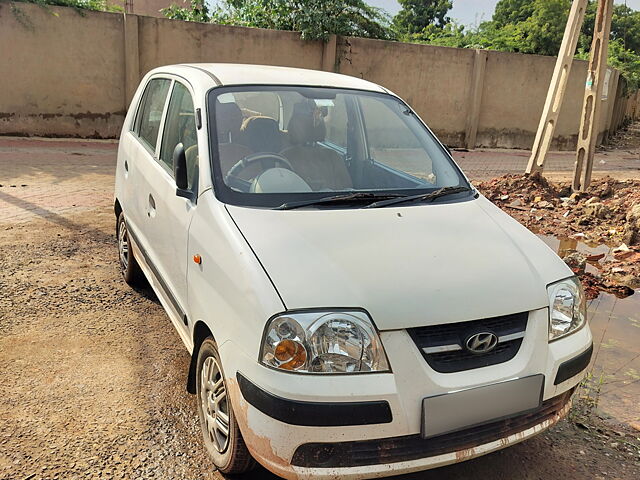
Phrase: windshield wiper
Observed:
(422, 197)
(350, 197)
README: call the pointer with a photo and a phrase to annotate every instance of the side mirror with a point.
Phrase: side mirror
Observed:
(180, 171)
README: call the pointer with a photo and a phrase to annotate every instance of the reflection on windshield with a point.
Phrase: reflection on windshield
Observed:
(295, 141)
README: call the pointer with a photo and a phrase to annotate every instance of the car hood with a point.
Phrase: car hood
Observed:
(409, 266)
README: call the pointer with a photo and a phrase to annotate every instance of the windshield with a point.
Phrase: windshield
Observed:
(278, 145)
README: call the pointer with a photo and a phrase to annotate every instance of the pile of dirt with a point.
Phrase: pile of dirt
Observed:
(608, 213)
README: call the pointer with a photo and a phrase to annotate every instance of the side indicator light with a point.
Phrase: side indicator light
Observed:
(197, 259)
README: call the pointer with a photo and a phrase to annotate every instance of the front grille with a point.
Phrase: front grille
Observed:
(457, 333)
(414, 447)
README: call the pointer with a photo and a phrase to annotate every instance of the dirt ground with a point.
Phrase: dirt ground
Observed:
(93, 373)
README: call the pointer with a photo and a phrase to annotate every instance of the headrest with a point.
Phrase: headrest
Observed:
(261, 134)
(228, 120)
(306, 124)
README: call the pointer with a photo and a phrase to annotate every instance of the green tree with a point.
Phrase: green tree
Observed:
(416, 15)
(315, 19)
(509, 12)
(537, 26)
(198, 12)
(526, 26)
(625, 26)
(451, 35)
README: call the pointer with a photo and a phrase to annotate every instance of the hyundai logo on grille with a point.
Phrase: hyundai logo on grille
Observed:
(483, 342)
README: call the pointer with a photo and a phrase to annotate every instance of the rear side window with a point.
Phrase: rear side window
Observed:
(147, 123)
(180, 127)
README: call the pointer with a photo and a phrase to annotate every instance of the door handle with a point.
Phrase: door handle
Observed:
(151, 212)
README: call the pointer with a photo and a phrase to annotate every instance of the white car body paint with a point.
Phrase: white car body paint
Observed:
(407, 266)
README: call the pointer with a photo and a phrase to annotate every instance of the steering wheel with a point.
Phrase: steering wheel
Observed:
(267, 160)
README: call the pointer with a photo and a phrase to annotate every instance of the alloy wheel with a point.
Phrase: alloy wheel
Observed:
(123, 246)
(214, 403)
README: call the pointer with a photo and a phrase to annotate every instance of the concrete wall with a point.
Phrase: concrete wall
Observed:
(515, 87)
(70, 73)
(61, 75)
(163, 42)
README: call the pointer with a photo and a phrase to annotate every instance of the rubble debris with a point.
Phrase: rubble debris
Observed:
(597, 210)
(632, 229)
(576, 261)
(607, 214)
(593, 285)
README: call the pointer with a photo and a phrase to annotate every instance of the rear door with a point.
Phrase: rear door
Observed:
(140, 154)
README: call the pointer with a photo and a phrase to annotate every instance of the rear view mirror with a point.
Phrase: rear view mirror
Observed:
(180, 171)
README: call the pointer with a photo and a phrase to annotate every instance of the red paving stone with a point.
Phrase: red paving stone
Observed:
(53, 177)
(483, 164)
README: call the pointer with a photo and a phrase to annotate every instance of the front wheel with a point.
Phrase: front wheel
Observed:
(222, 437)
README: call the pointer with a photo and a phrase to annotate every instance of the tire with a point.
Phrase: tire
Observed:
(128, 264)
(228, 452)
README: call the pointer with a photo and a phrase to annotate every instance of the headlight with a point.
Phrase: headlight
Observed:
(323, 342)
(567, 307)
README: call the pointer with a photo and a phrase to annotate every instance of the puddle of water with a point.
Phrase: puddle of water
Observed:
(615, 324)
(566, 246)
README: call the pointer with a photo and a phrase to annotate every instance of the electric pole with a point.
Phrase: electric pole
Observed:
(590, 119)
(558, 87)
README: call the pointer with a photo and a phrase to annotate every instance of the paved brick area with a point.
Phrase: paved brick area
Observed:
(484, 164)
(51, 177)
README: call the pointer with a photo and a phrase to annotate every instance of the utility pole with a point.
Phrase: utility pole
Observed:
(588, 135)
(558, 87)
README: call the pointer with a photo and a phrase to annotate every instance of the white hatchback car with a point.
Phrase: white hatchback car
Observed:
(353, 306)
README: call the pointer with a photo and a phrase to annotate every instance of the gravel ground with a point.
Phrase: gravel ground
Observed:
(93, 375)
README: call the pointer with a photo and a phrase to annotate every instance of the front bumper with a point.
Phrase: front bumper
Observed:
(436, 450)
(306, 443)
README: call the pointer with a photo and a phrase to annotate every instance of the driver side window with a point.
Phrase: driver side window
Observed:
(180, 127)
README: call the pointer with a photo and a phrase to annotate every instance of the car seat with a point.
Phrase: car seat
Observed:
(321, 167)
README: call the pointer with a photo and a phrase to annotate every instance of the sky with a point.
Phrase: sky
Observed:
(471, 12)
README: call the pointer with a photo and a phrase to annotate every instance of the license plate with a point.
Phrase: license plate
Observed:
(475, 406)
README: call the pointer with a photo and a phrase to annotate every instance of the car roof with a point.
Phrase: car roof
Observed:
(243, 74)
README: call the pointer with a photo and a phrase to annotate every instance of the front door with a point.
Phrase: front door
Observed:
(168, 223)
(163, 225)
